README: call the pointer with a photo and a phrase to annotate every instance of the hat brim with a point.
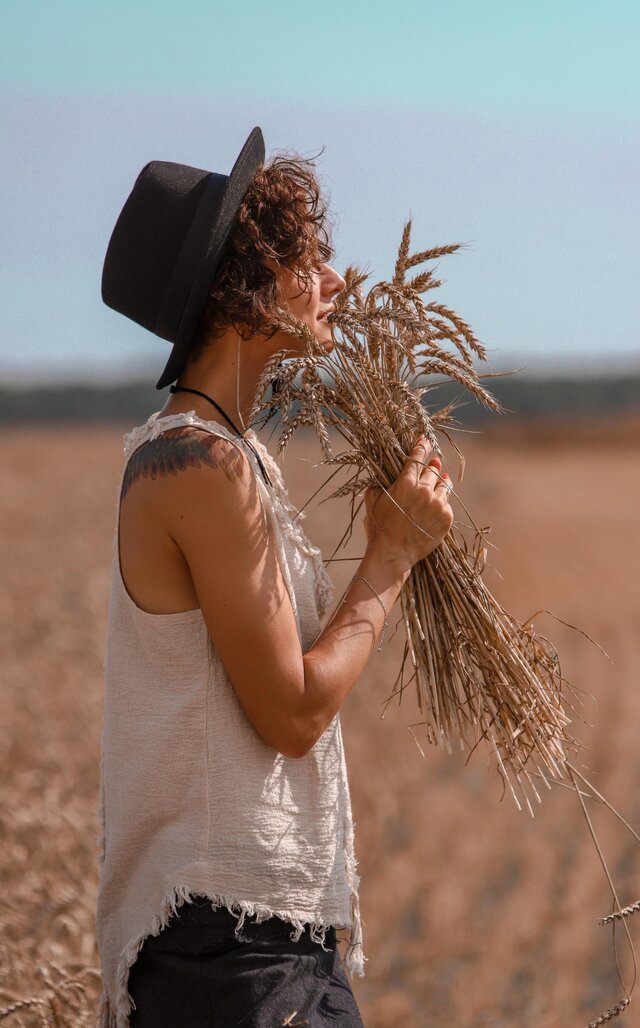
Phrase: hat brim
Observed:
(216, 213)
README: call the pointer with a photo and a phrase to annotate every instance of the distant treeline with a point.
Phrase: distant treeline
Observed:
(524, 396)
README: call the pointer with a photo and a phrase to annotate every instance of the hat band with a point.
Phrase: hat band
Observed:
(193, 251)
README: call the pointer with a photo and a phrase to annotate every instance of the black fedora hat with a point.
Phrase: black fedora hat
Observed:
(167, 242)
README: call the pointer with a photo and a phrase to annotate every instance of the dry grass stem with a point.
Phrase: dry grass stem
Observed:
(609, 1014)
(633, 908)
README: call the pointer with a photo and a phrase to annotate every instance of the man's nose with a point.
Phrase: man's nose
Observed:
(338, 283)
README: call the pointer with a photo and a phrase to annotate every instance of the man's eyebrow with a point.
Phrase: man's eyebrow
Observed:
(180, 448)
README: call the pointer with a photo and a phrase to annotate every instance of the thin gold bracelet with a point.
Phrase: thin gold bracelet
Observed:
(386, 616)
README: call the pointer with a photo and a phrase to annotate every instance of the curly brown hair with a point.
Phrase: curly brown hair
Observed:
(283, 215)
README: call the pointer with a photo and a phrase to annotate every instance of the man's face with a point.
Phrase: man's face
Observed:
(311, 306)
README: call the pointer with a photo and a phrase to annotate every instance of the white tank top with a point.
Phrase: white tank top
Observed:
(192, 800)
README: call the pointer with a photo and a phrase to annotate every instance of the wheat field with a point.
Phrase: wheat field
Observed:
(474, 914)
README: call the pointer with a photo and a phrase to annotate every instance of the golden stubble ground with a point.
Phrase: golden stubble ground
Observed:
(474, 913)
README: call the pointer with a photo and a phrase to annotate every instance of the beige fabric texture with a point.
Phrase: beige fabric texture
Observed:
(192, 800)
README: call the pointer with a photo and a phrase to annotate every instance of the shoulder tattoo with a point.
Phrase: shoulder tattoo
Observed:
(180, 448)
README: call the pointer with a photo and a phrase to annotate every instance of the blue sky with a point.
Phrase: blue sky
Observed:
(511, 127)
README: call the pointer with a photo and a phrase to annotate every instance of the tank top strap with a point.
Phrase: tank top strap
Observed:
(156, 425)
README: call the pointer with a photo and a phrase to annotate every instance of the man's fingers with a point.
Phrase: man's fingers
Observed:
(417, 459)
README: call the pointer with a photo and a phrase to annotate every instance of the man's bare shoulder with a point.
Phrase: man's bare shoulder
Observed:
(178, 449)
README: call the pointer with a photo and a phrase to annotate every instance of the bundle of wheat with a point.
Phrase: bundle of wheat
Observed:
(480, 675)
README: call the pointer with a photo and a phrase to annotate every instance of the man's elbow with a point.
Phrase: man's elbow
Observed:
(300, 740)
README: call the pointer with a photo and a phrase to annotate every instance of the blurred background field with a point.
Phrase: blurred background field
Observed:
(474, 914)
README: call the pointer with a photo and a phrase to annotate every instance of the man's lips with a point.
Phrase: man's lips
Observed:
(324, 314)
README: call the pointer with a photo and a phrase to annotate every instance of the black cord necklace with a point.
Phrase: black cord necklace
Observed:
(186, 389)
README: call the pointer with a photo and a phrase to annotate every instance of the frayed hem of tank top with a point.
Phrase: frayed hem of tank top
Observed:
(117, 1014)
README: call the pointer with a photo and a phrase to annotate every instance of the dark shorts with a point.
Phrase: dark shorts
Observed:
(197, 972)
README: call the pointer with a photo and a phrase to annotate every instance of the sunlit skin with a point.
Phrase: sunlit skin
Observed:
(216, 370)
(311, 305)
